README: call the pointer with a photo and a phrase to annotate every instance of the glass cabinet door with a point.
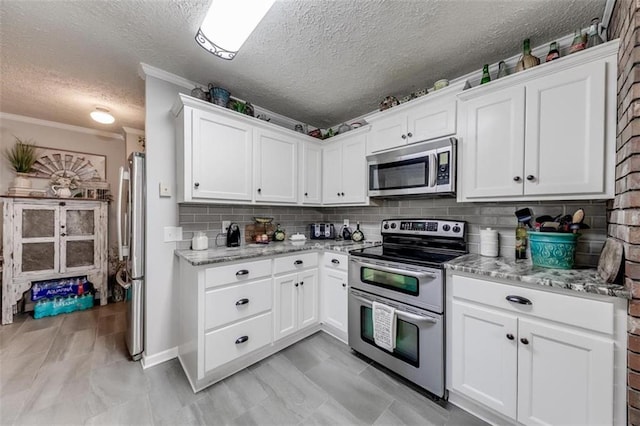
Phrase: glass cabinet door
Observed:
(36, 244)
(78, 238)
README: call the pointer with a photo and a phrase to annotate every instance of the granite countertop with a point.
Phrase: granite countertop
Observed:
(584, 280)
(249, 251)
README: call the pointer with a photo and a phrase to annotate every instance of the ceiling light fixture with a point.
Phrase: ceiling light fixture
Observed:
(101, 115)
(229, 23)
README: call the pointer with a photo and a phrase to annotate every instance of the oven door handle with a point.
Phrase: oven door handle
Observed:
(400, 313)
(399, 271)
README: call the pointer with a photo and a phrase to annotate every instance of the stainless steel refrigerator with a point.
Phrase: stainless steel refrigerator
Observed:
(131, 249)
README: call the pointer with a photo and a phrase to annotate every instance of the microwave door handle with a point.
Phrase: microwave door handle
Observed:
(433, 169)
(401, 314)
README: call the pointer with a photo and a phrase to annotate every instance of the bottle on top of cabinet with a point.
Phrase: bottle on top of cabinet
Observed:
(486, 77)
(527, 60)
(578, 43)
(554, 53)
(594, 38)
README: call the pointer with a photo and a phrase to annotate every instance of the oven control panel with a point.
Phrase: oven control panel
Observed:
(432, 227)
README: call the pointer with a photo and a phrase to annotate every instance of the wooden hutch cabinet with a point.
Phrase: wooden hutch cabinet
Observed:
(47, 239)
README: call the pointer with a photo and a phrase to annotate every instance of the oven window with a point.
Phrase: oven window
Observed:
(400, 174)
(397, 282)
(407, 337)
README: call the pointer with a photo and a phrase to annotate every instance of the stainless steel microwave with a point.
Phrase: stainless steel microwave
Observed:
(422, 168)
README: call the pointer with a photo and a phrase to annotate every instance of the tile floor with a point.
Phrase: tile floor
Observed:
(73, 369)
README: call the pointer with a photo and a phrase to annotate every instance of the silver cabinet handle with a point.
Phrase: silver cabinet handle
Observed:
(404, 136)
(242, 272)
(398, 271)
(242, 302)
(298, 262)
(335, 261)
(241, 339)
(519, 299)
(410, 134)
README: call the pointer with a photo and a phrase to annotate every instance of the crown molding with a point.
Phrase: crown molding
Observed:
(132, 131)
(56, 125)
(145, 70)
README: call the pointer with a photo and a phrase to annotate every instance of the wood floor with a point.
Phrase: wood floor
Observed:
(73, 369)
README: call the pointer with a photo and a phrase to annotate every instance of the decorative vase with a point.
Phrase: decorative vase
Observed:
(22, 180)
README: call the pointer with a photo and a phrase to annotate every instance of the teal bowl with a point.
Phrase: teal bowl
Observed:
(553, 249)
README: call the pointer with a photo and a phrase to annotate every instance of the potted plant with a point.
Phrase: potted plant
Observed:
(22, 156)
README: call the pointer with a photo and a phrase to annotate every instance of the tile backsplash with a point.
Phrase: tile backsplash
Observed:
(495, 215)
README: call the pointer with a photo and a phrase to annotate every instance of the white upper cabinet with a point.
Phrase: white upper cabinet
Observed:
(311, 173)
(344, 170)
(220, 158)
(543, 134)
(276, 174)
(432, 116)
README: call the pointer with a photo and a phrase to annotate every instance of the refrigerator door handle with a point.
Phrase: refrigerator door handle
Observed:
(124, 283)
(123, 250)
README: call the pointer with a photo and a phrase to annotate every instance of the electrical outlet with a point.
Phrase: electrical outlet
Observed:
(346, 222)
(225, 225)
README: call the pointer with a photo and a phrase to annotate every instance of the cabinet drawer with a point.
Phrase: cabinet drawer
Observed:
(239, 272)
(571, 310)
(295, 262)
(335, 261)
(234, 341)
(230, 304)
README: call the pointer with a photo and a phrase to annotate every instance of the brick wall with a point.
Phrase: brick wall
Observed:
(624, 211)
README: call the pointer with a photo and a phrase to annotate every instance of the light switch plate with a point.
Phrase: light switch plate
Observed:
(172, 233)
(165, 190)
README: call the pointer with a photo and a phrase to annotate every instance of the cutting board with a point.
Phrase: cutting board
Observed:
(611, 259)
(253, 229)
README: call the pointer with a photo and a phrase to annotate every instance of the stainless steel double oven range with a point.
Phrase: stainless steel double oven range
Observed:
(406, 272)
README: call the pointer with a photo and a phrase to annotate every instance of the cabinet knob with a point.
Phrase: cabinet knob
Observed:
(516, 178)
(344, 285)
(338, 194)
(259, 190)
(404, 136)
(301, 282)
(531, 177)
(63, 235)
(196, 184)
(409, 134)
(342, 193)
(62, 203)
(524, 341)
(306, 194)
(296, 284)
(241, 339)
(242, 302)
(510, 336)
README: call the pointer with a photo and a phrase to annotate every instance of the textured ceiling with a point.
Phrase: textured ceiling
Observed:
(320, 62)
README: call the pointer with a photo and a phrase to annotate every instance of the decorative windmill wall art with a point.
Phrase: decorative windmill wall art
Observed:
(83, 175)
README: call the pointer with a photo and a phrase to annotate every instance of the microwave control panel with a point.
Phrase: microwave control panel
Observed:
(443, 177)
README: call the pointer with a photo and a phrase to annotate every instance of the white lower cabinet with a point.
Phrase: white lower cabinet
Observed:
(523, 361)
(296, 302)
(334, 295)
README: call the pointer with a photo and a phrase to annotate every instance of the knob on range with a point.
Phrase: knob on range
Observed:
(446, 227)
(456, 228)
(393, 226)
(385, 226)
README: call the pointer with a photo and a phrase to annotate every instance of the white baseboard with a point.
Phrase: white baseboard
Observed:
(155, 359)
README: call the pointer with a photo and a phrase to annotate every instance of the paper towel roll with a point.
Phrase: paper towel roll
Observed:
(489, 242)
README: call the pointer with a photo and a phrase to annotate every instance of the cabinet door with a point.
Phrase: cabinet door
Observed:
(429, 121)
(492, 149)
(388, 132)
(222, 158)
(565, 138)
(331, 173)
(311, 189)
(36, 239)
(285, 305)
(564, 376)
(334, 299)
(484, 350)
(276, 161)
(79, 229)
(308, 298)
(354, 170)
